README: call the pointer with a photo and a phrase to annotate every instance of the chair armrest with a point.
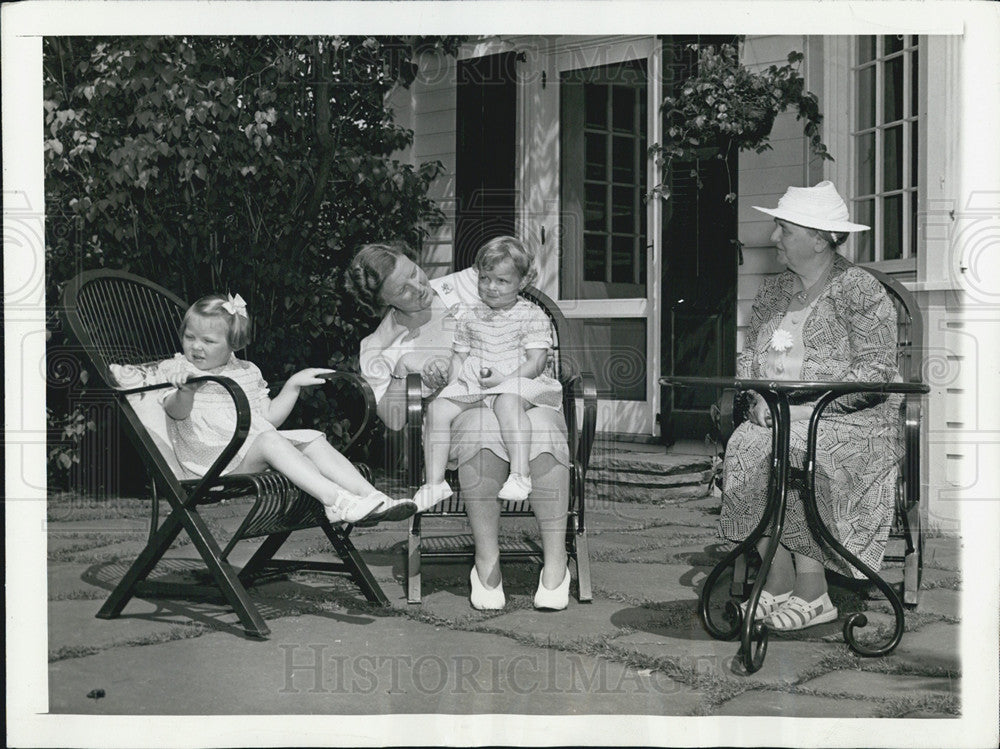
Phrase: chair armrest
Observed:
(239, 434)
(367, 397)
(582, 386)
(412, 430)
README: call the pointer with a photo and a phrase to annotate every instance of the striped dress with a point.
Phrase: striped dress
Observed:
(499, 340)
(848, 335)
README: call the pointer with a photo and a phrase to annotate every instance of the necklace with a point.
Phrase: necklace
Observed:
(806, 295)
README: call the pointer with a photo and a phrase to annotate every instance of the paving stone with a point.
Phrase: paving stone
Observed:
(386, 665)
(74, 626)
(943, 552)
(933, 646)
(783, 704)
(879, 686)
(693, 649)
(580, 621)
(666, 583)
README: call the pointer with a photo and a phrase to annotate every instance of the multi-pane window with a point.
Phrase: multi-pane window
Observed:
(614, 175)
(885, 138)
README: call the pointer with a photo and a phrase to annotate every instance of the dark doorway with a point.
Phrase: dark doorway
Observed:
(485, 152)
(700, 269)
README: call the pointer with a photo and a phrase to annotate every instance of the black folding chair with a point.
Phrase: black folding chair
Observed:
(577, 387)
(120, 318)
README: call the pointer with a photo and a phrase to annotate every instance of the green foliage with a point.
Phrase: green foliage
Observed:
(245, 164)
(724, 105)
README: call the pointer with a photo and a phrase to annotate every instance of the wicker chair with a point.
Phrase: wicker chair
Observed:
(120, 318)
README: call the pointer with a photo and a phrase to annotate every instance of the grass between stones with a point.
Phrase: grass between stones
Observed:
(177, 632)
(902, 707)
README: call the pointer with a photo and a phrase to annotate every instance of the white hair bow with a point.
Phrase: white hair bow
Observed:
(235, 306)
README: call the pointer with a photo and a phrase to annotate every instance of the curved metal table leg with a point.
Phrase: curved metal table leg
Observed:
(823, 534)
(753, 634)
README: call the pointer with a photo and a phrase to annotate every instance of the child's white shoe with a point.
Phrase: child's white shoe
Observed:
(350, 508)
(429, 495)
(516, 488)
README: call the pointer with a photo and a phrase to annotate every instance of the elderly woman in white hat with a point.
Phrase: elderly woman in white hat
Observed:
(821, 319)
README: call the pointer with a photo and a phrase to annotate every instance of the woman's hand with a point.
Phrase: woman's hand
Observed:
(436, 372)
(307, 378)
(759, 413)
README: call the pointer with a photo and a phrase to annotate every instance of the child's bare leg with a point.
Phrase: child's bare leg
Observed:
(335, 467)
(515, 429)
(271, 449)
(440, 414)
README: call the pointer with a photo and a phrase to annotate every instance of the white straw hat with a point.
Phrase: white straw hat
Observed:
(819, 207)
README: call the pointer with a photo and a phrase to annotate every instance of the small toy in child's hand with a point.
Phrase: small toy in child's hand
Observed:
(485, 372)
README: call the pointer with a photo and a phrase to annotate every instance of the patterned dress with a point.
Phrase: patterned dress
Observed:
(849, 335)
(200, 438)
(499, 340)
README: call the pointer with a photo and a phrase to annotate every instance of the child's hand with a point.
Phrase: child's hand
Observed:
(308, 377)
(489, 378)
(179, 379)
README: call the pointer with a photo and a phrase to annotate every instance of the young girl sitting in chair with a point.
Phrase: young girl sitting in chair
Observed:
(203, 418)
(501, 350)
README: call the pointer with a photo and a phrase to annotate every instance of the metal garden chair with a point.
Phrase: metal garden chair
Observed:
(907, 523)
(578, 387)
(120, 318)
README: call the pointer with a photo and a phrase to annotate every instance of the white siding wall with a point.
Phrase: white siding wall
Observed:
(428, 108)
(763, 179)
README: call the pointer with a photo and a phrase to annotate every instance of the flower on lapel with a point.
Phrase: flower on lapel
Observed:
(781, 340)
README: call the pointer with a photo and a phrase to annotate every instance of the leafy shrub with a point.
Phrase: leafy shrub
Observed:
(254, 165)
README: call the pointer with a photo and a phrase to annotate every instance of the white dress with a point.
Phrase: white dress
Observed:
(499, 340)
(199, 439)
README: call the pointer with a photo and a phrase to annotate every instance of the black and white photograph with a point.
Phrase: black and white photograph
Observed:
(516, 373)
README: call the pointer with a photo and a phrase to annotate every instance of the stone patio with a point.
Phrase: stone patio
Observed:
(638, 648)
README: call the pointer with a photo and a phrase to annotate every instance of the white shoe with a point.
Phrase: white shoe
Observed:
(516, 488)
(767, 604)
(483, 598)
(429, 495)
(350, 508)
(797, 613)
(556, 599)
(392, 509)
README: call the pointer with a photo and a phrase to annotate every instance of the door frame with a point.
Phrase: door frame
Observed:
(538, 116)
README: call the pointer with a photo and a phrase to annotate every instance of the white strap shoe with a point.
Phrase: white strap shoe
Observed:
(350, 508)
(797, 613)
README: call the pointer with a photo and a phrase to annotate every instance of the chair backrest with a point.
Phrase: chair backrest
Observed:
(120, 318)
(909, 327)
